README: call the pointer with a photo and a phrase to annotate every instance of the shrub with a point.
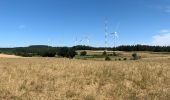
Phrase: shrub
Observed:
(124, 58)
(104, 53)
(114, 54)
(135, 56)
(119, 59)
(109, 54)
(107, 58)
(83, 53)
(66, 52)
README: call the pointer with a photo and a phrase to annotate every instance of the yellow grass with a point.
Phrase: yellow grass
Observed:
(65, 79)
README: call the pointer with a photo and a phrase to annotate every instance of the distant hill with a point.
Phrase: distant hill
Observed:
(33, 50)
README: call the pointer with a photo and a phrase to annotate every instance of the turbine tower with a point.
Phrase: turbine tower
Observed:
(115, 35)
(87, 41)
(76, 42)
(48, 42)
(81, 42)
(106, 33)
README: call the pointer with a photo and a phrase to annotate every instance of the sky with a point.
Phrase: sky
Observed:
(64, 22)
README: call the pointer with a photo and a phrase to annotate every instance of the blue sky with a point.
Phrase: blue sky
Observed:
(60, 22)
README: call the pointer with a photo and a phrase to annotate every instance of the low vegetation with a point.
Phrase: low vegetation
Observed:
(83, 53)
(104, 53)
(135, 56)
(115, 54)
(124, 58)
(107, 58)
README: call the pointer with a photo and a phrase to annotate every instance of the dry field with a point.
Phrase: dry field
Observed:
(66, 79)
(8, 56)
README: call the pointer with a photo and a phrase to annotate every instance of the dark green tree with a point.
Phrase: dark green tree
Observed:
(66, 52)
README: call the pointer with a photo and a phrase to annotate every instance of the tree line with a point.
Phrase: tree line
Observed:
(70, 52)
(127, 48)
(40, 50)
(143, 48)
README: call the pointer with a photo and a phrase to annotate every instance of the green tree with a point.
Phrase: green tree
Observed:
(66, 52)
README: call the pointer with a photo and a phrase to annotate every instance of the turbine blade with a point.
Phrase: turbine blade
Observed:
(117, 27)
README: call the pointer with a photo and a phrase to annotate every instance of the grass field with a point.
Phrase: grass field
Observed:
(73, 79)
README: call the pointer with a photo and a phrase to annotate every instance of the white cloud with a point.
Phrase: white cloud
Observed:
(162, 39)
(165, 31)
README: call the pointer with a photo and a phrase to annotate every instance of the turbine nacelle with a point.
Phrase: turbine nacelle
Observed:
(115, 34)
(83, 41)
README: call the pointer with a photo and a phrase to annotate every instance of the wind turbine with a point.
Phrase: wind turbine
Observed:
(81, 42)
(48, 42)
(115, 35)
(87, 41)
(106, 33)
(76, 42)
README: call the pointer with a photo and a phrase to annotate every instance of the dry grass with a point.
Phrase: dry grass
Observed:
(8, 56)
(63, 79)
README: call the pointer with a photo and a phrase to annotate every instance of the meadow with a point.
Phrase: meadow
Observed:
(41, 78)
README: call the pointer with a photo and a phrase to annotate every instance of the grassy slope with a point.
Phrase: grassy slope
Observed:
(50, 78)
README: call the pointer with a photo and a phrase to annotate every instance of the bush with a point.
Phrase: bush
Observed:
(104, 53)
(83, 53)
(124, 58)
(114, 54)
(66, 52)
(119, 59)
(109, 54)
(135, 56)
(107, 58)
